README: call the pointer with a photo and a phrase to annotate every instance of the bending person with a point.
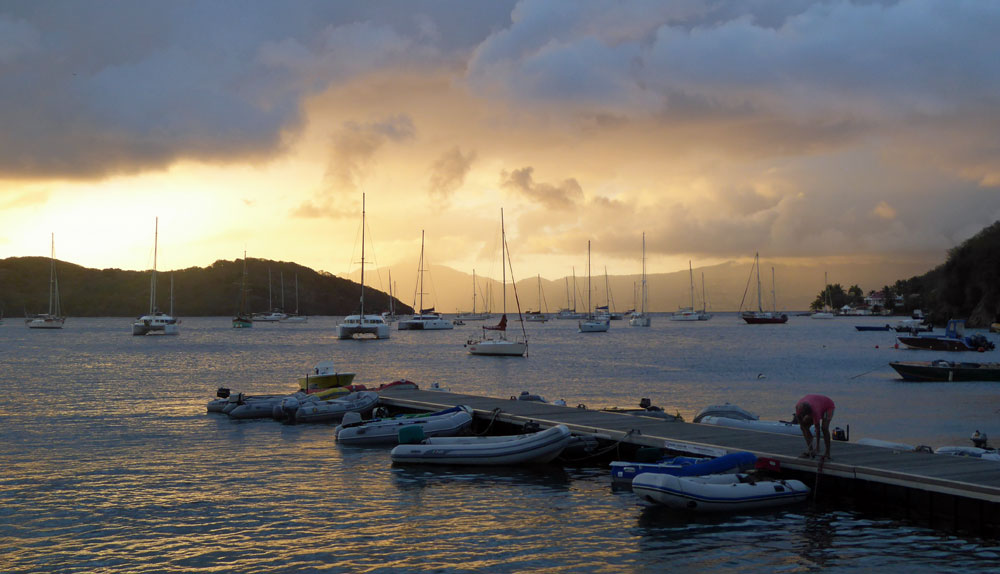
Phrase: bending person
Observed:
(815, 411)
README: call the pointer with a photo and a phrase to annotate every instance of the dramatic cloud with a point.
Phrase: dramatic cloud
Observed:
(562, 196)
(449, 171)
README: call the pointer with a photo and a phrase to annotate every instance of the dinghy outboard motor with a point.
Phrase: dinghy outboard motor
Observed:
(285, 410)
(979, 440)
(222, 393)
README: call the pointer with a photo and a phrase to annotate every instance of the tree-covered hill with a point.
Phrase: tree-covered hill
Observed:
(197, 291)
(966, 286)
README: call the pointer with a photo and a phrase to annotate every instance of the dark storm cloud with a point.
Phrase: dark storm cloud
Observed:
(103, 87)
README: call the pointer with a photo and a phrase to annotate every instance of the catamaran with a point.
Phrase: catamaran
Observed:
(424, 319)
(362, 325)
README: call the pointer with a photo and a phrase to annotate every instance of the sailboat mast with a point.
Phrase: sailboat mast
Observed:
(590, 310)
(774, 298)
(756, 264)
(52, 273)
(473, 291)
(296, 293)
(362, 315)
(503, 261)
(704, 302)
(691, 278)
(152, 280)
(644, 273)
(420, 270)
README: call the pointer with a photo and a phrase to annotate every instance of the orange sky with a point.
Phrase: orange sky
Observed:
(828, 131)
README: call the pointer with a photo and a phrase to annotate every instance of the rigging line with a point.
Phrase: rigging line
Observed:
(747, 288)
(879, 368)
(513, 282)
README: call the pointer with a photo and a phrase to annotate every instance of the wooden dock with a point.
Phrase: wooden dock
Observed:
(945, 491)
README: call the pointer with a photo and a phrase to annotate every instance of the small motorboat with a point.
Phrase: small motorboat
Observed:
(540, 447)
(717, 492)
(946, 371)
(333, 410)
(954, 339)
(378, 431)
(624, 472)
(325, 376)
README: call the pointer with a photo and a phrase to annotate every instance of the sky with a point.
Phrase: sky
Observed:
(806, 131)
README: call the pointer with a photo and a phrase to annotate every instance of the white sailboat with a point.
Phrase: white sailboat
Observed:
(424, 319)
(54, 318)
(827, 312)
(156, 322)
(474, 315)
(703, 315)
(687, 313)
(760, 316)
(362, 325)
(641, 319)
(275, 314)
(593, 324)
(494, 340)
(293, 317)
(570, 312)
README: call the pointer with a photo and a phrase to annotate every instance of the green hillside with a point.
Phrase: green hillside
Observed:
(965, 286)
(211, 291)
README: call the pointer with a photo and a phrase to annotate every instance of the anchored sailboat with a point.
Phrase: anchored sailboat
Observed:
(760, 316)
(423, 319)
(156, 322)
(593, 324)
(362, 325)
(243, 319)
(641, 319)
(53, 319)
(494, 340)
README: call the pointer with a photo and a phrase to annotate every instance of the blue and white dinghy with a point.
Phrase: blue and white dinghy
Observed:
(623, 472)
(717, 492)
(381, 431)
(539, 447)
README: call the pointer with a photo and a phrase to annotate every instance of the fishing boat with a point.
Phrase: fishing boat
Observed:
(362, 325)
(717, 492)
(379, 431)
(641, 318)
(760, 316)
(156, 322)
(624, 471)
(54, 318)
(532, 448)
(493, 340)
(946, 371)
(325, 376)
(243, 319)
(953, 339)
(592, 323)
(426, 319)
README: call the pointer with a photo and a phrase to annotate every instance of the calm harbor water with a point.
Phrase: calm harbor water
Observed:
(111, 464)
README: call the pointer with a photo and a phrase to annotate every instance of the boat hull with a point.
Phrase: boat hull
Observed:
(535, 448)
(765, 318)
(946, 371)
(639, 320)
(594, 326)
(778, 427)
(935, 343)
(717, 493)
(497, 348)
(314, 383)
(624, 472)
(45, 322)
(386, 431)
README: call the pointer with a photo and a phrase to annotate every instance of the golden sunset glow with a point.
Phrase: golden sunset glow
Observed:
(811, 133)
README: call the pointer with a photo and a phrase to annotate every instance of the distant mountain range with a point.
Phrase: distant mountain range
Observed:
(797, 286)
(966, 286)
(210, 291)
